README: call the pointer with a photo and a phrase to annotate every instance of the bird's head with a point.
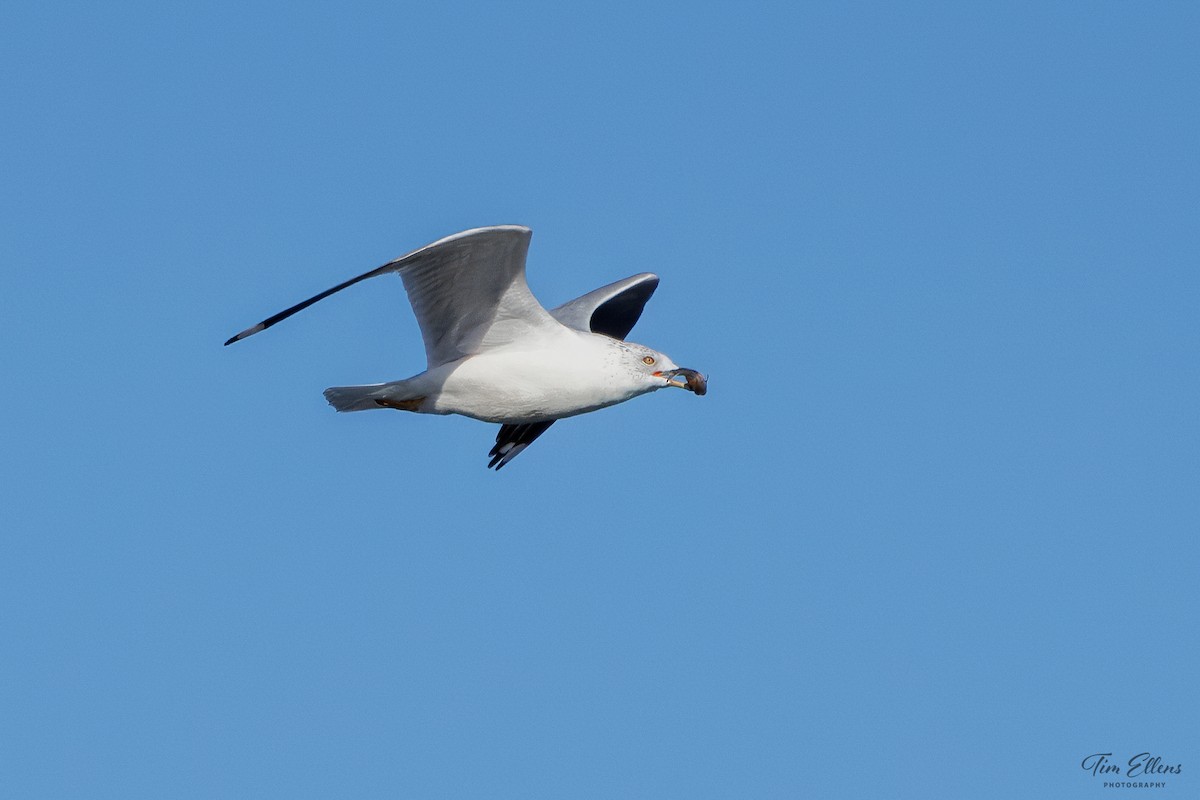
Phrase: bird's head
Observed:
(658, 371)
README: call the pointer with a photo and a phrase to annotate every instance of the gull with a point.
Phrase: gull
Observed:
(495, 354)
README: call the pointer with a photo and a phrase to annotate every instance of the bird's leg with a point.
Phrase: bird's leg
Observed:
(413, 404)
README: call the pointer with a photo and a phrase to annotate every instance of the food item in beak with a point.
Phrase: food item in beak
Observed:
(695, 381)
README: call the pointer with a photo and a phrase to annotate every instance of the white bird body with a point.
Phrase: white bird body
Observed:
(561, 375)
(496, 355)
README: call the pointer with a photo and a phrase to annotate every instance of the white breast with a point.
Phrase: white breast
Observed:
(570, 373)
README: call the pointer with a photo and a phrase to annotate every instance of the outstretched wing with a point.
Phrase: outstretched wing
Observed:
(468, 292)
(612, 310)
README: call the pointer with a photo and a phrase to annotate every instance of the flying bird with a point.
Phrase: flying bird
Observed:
(496, 355)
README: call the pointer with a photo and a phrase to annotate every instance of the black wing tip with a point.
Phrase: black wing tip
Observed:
(499, 461)
(262, 326)
(502, 457)
(512, 440)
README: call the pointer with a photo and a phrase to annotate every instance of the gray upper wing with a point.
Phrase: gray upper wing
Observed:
(467, 290)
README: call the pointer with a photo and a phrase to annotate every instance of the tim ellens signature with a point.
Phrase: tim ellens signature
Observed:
(1141, 764)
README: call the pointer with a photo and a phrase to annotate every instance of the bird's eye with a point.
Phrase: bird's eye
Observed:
(648, 359)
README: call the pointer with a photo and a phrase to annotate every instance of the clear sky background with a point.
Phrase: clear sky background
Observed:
(932, 533)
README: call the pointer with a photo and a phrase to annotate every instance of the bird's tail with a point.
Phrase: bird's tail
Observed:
(365, 398)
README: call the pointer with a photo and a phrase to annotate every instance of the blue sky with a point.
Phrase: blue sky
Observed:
(932, 532)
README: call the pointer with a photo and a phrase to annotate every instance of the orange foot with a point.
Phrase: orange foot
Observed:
(401, 405)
